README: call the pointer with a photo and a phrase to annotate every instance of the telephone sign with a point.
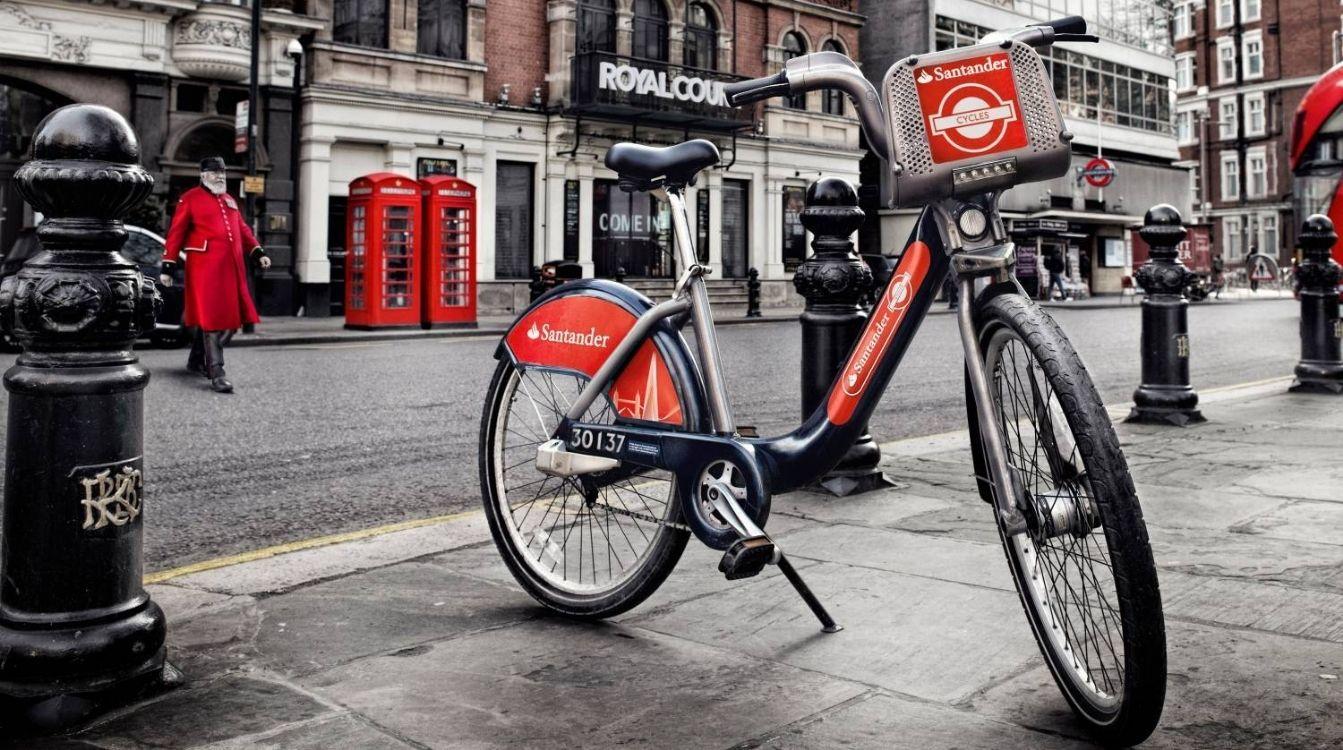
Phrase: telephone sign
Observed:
(970, 107)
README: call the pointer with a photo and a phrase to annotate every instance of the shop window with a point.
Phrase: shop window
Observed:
(650, 29)
(360, 22)
(597, 26)
(631, 233)
(701, 38)
(794, 234)
(736, 227)
(1231, 238)
(442, 28)
(832, 101)
(795, 46)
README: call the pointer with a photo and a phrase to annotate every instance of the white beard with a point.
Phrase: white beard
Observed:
(215, 186)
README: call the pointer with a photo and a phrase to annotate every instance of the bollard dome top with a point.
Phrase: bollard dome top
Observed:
(831, 191)
(89, 132)
(1318, 225)
(1163, 214)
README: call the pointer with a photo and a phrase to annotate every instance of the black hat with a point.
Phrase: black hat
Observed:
(213, 164)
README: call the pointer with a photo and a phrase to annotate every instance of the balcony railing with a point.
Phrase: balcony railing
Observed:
(611, 85)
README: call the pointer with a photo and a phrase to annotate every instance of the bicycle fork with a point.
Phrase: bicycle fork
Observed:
(1006, 489)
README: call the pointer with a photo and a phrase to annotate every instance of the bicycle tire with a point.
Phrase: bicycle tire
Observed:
(594, 601)
(1101, 485)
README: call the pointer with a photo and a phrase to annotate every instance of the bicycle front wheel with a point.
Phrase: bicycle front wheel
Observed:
(590, 546)
(1084, 566)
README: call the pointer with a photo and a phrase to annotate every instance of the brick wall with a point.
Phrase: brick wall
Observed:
(517, 44)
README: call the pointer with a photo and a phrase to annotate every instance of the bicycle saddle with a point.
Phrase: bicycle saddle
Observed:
(648, 168)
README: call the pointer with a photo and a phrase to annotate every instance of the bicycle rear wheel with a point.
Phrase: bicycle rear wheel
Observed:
(583, 546)
(1084, 566)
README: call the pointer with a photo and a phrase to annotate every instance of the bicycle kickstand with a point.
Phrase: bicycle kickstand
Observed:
(750, 554)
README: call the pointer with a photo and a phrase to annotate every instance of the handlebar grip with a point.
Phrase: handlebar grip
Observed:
(745, 92)
(1067, 25)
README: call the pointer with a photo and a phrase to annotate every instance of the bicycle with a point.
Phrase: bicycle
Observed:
(602, 436)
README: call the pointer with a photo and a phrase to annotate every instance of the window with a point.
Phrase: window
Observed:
(1231, 239)
(1252, 48)
(1184, 128)
(513, 206)
(701, 38)
(1226, 60)
(1255, 122)
(1230, 177)
(795, 46)
(1249, 10)
(794, 234)
(597, 26)
(442, 28)
(1256, 173)
(650, 29)
(832, 101)
(1182, 20)
(1184, 71)
(1268, 228)
(361, 22)
(1226, 12)
(1226, 119)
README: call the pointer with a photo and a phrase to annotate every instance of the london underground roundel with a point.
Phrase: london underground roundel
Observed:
(970, 107)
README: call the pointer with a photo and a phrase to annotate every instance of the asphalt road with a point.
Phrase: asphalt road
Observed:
(325, 439)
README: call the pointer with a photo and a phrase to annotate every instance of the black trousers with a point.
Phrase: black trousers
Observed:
(207, 351)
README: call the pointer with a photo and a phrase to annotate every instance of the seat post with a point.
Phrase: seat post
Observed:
(685, 248)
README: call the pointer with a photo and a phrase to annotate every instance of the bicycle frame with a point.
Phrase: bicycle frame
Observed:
(787, 462)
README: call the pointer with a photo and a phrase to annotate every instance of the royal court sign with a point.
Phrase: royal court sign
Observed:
(609, 85)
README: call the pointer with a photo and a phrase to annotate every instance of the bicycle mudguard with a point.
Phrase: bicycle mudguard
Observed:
(577, 325)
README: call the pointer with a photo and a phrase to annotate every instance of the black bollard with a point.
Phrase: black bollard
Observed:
(78, 632)
(833, 281)
(752, 293)
(1321, 367)
(1165, 396)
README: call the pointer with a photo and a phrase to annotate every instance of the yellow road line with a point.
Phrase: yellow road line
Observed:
(302, 544)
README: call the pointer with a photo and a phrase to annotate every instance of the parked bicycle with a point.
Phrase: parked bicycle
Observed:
(605, 444)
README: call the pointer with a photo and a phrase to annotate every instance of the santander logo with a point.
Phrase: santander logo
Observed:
(562, 336)
(878, 333)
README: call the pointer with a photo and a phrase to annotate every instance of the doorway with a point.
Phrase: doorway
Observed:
(736, 227)
(513, 216)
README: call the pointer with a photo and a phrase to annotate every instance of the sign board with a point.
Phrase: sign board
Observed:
(1099, 172)
(429, 167)
(970, 107)
(254, 184)
(240, 128)
(572, 214)
(621, 87)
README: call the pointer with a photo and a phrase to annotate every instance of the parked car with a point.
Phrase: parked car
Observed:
(144, 249)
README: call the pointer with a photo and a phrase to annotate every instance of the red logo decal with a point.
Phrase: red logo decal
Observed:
(579, 333)
(886, 319)
(970, 107)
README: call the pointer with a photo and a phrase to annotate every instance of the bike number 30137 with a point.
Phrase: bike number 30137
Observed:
(597, 440)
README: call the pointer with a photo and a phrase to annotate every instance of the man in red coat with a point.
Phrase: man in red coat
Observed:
(208, 233)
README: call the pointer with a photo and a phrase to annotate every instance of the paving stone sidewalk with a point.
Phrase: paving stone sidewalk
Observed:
(420, 638)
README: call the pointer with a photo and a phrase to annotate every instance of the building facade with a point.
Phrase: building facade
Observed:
(176, 69)
(522, 98)
(1115, 98)
(1242, 67)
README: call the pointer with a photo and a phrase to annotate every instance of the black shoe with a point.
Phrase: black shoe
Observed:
(220, 385)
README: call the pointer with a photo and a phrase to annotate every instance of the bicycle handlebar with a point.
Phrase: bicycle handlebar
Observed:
(745, 92)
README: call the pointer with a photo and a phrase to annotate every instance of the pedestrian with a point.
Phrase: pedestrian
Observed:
(951, 290)
(1218, 274)
(1252, 268)
(1055, 266)
(209, 234)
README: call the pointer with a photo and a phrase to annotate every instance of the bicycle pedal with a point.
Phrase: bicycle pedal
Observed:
(747, 557)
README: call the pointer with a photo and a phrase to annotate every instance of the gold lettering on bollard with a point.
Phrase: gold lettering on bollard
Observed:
(1182, 345)
(111, 498)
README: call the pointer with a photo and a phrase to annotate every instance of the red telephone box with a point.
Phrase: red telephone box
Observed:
(449, 259)
(382, 235)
